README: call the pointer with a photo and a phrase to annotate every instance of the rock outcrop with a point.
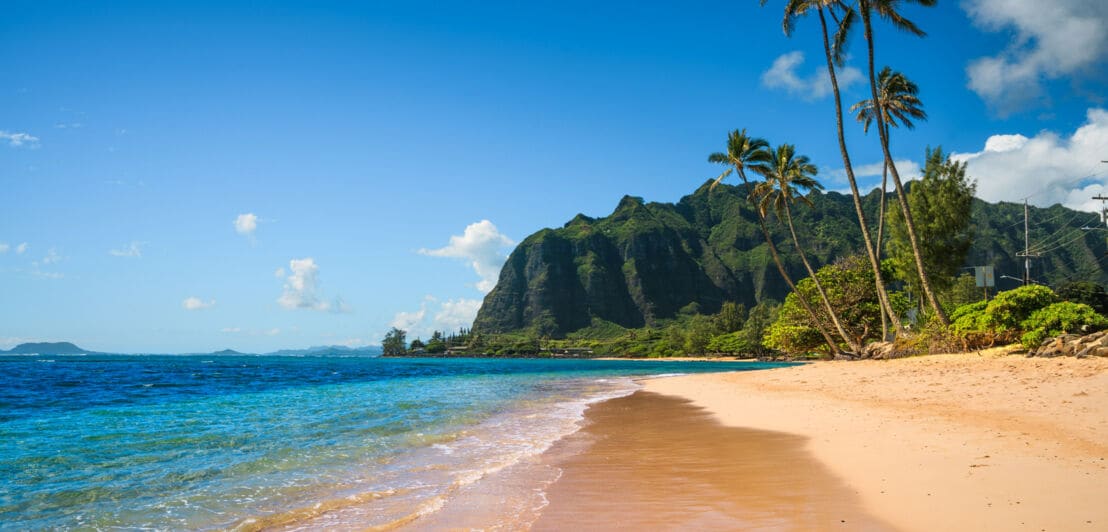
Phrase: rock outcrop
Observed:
(1072, 345)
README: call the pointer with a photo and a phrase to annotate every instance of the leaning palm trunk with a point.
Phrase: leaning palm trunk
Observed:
(902, 197)
(854, 346)
(792, 286)
(874, 257)
(880, 238)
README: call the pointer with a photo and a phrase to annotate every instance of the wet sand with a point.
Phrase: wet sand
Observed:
(658, 462)
(977, 441)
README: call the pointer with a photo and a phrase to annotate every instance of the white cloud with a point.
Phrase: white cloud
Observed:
(907, 168)
(21, 248)
(195, 303)
(4, 247)
(453, 315)
(68, 125)
(279, 273)
(481, 244)
(783, 75)
(245, 224)
(47, 275)
(251, 332)
(301, 290)
(1050, 40)
(450, 316)
(134, 250)
(1047, 167)
(409, 320)
(19, 140)
(52, 257)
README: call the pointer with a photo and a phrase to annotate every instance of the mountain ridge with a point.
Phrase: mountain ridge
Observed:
(650, 261)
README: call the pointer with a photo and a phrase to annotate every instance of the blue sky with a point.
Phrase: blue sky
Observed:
(380, 160)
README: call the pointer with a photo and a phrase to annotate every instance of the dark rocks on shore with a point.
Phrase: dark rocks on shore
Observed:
(1072, 345)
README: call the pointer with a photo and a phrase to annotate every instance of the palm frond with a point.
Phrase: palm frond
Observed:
(888, 10)
(842, 33)
(721, 177)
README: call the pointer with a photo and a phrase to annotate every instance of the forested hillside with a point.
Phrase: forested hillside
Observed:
(647, 262)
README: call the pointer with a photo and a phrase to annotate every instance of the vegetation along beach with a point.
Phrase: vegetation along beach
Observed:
(758, 265)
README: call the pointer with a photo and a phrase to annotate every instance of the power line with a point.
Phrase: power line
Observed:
(1089, 174)
(1064, 244)
(1092, 269)
(1066, 231)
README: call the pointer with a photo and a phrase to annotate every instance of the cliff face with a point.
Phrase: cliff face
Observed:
(648, 261)
(644, 262)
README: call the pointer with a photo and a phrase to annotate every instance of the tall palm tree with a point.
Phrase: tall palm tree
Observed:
(742, 152)
(788, 178)
(900, 103)
(844, 17)
(888, 10)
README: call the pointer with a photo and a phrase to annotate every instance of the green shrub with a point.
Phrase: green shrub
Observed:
(793, 339)
(852, 294)
(1001, 320)
(1008, 309)
(734, 343)
(967, 309)
(1060, 318)
(970, 318)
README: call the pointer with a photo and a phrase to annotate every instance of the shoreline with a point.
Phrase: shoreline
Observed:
(944, 442)
(649, 461)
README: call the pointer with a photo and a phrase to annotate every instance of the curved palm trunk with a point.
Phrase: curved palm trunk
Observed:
(854, 347)
(880, 238)
(881, 208)
(874, 257)
(789, 280)
(902, 197)
(800, 297)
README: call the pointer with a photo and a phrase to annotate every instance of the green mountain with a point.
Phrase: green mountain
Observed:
(46, 348)
(647, 262)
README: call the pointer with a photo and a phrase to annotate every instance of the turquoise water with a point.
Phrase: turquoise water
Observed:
(203, 442)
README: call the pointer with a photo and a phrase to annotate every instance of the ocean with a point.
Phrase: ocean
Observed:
(298, 443)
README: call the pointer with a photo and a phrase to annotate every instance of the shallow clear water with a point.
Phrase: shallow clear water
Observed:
(204, 442)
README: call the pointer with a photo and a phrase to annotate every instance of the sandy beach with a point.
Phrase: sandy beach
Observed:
(979, 441)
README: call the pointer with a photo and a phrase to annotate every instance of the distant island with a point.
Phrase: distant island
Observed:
(46, 348)
(331, 350)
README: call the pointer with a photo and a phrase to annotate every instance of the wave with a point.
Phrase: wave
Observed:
(429, 478)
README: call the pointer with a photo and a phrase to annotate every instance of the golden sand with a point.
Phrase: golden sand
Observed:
(977, 441)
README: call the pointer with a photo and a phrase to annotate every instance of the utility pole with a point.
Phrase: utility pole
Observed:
(1103, 205)
(1026, 245)
(1103, 208)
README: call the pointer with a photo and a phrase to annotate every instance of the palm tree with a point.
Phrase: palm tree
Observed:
(900, 103)
(788, 178)
(834, 53)
(887, 9)
(744, 151)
